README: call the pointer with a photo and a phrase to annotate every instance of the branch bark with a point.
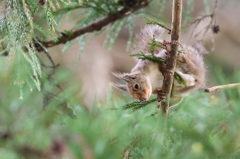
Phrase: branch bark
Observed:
(171, 60)
(95, 26)
(222, 87)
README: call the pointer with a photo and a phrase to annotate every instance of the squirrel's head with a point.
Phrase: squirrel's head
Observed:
(137, 85)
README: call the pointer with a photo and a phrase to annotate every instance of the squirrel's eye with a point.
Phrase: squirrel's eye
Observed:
(136, 86)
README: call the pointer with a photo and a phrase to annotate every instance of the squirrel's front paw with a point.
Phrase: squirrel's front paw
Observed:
(161, 96)
(156, 91)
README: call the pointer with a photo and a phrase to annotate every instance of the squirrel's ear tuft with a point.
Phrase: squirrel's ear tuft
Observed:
(118, 75)
(120, 87)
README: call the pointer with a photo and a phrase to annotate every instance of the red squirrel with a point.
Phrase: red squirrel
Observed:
(146, 78)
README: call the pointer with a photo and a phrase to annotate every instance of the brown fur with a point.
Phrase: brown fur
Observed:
(148, 74)
(143, 38)
(142, 93)
(193, 65)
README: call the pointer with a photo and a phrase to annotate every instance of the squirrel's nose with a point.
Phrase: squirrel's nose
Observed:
(143, 99)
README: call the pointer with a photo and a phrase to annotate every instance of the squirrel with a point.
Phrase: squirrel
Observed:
(146, 77)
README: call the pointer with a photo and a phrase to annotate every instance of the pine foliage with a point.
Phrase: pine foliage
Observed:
(20, 32)
(192, 130)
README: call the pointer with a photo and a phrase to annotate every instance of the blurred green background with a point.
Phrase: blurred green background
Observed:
(77, 113)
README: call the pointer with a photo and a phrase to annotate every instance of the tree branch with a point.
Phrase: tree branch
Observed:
(95, 26)
(170, 63)
(222, 87)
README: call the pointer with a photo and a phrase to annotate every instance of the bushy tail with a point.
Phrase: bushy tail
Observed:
(143, 38)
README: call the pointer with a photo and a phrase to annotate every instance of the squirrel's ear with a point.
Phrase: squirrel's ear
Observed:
(120, 87)
(128, 77)
(124, 76)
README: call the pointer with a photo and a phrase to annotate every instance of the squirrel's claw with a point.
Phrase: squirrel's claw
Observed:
(160, 96)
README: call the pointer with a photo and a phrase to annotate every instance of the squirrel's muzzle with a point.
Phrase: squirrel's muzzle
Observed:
(143, 99)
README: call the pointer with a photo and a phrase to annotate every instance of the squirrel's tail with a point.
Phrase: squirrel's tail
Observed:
(145, 36)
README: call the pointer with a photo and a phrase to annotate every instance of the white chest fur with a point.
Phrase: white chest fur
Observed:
(155, 77)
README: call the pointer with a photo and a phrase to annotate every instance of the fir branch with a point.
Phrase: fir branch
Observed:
(113, 33)
(82, 43)
(50, 20)
(153, 22)
(95, 26)
(41, 29)
(27, 12)
(130, 27)
(153, 44)
(137, 105)
(179, 79)
(153, 58)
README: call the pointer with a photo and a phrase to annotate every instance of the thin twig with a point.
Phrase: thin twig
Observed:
(212, 22)
(52, 62)
(222, 87)
(95, 26)
(197, 38)
(133, 144)
(46, 94)
(127, 154)
(44, 65)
